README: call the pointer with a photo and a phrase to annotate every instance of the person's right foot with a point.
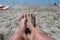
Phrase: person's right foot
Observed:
(36, 34)
(31, 21)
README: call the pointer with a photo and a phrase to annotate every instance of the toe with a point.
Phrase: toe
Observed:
(21, 17)
(28, 15)
(32, 16)
(25, 15)
(25, 18)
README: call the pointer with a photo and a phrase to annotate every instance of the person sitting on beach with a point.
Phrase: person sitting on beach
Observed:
(34, 35)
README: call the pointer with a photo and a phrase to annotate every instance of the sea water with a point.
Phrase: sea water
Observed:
(29, 2)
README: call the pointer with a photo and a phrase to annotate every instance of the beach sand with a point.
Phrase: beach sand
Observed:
(47, 19)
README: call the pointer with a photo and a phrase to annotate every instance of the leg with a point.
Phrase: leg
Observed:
(20, 35)
(35, 34)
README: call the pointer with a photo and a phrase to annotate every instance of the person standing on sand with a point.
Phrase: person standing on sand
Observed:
(34, 35)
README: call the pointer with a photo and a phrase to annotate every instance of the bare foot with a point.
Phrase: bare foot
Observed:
(31, 21)
(22, 23)
(20, 35)
(36, 34)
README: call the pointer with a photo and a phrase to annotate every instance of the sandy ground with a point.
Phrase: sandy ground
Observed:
(47, 19)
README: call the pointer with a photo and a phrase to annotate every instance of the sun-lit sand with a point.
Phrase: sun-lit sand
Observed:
(47, 19)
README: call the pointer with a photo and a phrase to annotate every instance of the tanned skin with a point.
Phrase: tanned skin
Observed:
(20, 35)
(34, 33)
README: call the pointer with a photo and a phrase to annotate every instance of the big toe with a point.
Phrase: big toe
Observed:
(21, 17)
(25, 15)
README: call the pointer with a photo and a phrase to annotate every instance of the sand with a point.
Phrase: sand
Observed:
(47, 19)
